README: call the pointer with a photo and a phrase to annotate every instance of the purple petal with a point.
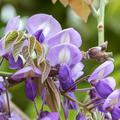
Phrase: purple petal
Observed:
(13, 24)
(2, 50)
(49, 115)
(64, 54)
(13, 64)
(113, 100)
(30, 89)
(102, 71)
(47, 23)
(65, 78)
(103, 88)
(115, 114)
(40, 36)
(69, 35)
(77, 71)
(80, 116)
(2, 103)
(25, 73)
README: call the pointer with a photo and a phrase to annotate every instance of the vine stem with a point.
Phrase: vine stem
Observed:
(100, 20)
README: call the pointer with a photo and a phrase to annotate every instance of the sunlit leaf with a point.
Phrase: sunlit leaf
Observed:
(17, 49)
(52, 96)
(10, 39)
(39, 51)
(31, 45)
(27, 57)
(45, 68)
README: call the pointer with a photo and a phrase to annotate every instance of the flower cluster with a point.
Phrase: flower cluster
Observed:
(49, 61)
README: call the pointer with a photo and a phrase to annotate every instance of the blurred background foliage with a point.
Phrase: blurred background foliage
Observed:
(67, 18)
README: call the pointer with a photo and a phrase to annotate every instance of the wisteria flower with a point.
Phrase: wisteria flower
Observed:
(29, 74)
(112, 104)
(99, 79)
(42, 26)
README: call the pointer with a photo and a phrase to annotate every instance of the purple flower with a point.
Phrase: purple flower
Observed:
(65, 36)
(112, 104)
(80, 116)
(27, 72)
(102, 71)
(65, 77)
(64, 54)
(45, 115)
(12, 63)
(104, 85)
(43, 26)
(12, 24)
(30, 89)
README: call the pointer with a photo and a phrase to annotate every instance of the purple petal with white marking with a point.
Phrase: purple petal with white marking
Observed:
(103, 87)
(64, 54)
(30, 89)
(69, 35)
(12, 24)
(47, 23)
(2, 103)
(102, 71)
(113, 100)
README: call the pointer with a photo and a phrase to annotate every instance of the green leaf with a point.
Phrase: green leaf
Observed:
(45, 68)
(10, 39)
(53, 99)
(31, 45)
(40, 52)
(27, 57)
(17, 48)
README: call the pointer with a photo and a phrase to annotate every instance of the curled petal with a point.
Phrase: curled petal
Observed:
(77, 71)
(64, 54)
(12, 64)
(103, 89)
(66, 36)
(25, 73)
(113, 100)
(13, 24)
(30, 89)
(44, 22)
(65, 78)
(102, 71)
(115, 113)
